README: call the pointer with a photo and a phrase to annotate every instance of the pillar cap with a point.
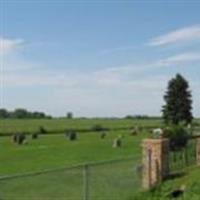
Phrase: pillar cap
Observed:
(154, 141)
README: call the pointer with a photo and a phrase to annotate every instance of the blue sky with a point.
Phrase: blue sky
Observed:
(97, 58)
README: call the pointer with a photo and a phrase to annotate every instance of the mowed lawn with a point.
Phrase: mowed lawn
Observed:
(109, 181)
(8, 126)
(117, 180)
(113, 181)
(55, 151)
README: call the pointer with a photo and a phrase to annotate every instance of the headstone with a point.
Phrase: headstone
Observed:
(19, 138)
(117, 143)
(72, 136)
(103, 135)
(134, 132)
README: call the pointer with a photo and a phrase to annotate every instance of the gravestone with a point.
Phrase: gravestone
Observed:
(103, 135)
(117, 143)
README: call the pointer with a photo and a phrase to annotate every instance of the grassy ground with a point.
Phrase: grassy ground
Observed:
(111, 181)
(54, 151)
(106, 181)
(191, 179)
(10, 126)
(59, 125)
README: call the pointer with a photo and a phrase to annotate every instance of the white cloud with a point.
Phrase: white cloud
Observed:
(180, 35)
(127, 97)
(98, 93)
(111, 91)
(180, 59)
(25, 74)
(106, 78)
(9, 45)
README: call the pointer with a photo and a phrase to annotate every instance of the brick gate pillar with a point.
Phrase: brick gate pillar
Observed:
(155, 161)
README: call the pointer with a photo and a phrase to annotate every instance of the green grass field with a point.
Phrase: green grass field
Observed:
(53, 151)
(112, 181)
(190, 178)
(9, 126)
(56, 151)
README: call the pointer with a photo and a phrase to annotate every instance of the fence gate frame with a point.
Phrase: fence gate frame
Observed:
(156, 154)
(198, 150)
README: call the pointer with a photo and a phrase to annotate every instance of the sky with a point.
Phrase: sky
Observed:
(97, 58)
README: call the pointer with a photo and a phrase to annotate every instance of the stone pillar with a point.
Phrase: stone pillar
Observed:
(198, 151)
(155, 161)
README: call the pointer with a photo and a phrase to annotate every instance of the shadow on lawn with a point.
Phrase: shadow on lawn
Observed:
(175, 175)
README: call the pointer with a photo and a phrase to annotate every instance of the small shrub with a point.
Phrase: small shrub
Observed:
(71, 135)
(42, 130)
(35, 135)
(97, 127)
(178, 137)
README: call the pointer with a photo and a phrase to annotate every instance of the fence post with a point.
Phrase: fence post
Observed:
(86, 182)
(198, 150)
(155, 161)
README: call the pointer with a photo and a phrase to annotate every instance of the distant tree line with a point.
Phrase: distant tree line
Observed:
(21, 113)
(141, 117)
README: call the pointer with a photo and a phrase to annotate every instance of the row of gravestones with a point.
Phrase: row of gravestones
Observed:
(72, 136)
(20, 138)
(117, 142)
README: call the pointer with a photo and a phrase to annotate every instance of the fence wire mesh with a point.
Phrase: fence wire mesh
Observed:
(111, 180)
(184, 157)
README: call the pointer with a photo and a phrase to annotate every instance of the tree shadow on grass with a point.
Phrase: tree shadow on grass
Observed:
(175, 175)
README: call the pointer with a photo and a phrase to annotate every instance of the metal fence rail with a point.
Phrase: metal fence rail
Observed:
(178, 160)
(113, 180)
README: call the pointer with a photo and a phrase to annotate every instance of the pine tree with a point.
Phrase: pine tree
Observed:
(178, 101)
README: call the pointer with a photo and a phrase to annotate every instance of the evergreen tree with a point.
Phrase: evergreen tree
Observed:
(178, 101)
(69, 115)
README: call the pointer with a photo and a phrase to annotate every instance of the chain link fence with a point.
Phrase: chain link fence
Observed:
(179, 160)
(110, 180)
